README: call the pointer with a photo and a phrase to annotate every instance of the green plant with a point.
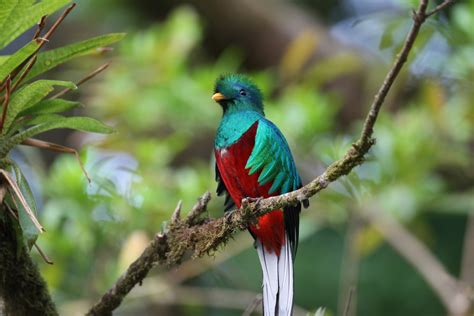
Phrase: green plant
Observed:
(28, 109)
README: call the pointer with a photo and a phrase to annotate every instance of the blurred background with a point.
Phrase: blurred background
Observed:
(319, 65)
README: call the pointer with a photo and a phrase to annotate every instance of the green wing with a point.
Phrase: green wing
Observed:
(272, 156)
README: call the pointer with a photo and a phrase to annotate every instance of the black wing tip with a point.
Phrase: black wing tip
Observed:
(305, 203)
(221, 189)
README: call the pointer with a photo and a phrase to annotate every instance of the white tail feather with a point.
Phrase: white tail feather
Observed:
(277, 280)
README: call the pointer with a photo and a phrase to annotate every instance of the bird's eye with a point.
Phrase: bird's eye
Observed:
(242, 92)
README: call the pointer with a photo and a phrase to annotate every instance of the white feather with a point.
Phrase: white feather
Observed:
(269, 263)
(277, 280)
(285, 280)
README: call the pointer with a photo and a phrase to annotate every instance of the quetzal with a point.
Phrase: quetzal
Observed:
(253, 160)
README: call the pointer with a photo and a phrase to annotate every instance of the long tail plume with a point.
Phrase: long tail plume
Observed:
(277, 280)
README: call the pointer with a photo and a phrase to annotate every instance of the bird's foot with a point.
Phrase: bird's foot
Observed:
(256, 201)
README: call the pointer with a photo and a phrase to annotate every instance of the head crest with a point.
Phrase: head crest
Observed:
(237, 93)
(236, 79)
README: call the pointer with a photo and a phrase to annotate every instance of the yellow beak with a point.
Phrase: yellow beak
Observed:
(218, 97)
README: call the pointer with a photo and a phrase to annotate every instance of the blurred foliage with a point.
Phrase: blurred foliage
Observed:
(157, 95)
(26, 109)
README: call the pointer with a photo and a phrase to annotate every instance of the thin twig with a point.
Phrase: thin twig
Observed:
(6, 100)
(86, 78)
(2, 86)
(198, 208)
(104, 50)
(30, 64)
(14, 186)
(41, 144)
(41, 41)
(42, 254)
(10, 210)
(440, 7)
(40, 27)
(40, 251)
(176, 217)
(419, 18)
(170, 247)
(53, 28)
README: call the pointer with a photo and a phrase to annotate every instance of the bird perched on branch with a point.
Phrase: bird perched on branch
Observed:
(253, 160)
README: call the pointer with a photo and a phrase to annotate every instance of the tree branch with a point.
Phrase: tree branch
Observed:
(440, 7)
(206, 236)
(136, 272)
(22, 288)
(86, 78)
(467, 266)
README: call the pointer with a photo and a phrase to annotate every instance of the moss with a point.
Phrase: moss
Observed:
(21, 286)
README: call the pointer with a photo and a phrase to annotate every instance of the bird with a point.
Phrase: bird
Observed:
(253, 160)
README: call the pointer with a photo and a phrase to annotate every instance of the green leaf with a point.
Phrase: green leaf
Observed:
(42, 119)
(10, 10)
(53, 121)
(30, 231)
(49, 106)
(29, 96)
(54, 57)
(17, 16)
(3, 58)
(85, 124)
(13, 61)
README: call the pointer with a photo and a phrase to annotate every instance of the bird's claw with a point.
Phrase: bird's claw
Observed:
(254, 200)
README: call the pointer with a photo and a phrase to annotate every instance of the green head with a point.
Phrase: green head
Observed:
(237, 93)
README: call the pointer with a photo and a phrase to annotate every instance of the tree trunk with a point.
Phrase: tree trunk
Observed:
(23, 290)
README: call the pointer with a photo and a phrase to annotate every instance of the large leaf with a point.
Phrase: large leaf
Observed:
(50, 122)
(17, 16)
(30, 231)
(43, 119)
(29, 96)
(10, 10)
(54, 57)
(85, 124)
(3, 58)
(17, 200)
(50, 106)
(17, 58)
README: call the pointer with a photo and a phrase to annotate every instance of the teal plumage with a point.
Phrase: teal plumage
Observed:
(272, 156)
(233, 126)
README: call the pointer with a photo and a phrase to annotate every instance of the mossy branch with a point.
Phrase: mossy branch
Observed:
(22, 288)
(203, 236)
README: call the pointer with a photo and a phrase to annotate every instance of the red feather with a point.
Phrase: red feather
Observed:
(231, 162)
